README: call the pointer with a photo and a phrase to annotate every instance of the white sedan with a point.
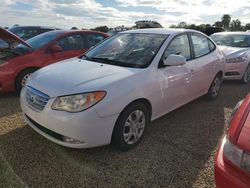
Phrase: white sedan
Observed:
(236, 47)
(114, 91)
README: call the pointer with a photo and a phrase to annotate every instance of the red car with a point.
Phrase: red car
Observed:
(232, 162)
(20, 58)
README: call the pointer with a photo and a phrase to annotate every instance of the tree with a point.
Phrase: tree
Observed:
(74, 28)
(218, 24)
(182, 25)
(172, 26)
(247, 26)
(102, 29)
(236, 25)
(225, 21)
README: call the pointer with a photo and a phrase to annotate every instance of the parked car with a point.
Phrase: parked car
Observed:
(27, 32)
(17, 62)
(111, 93)
(3, 44)
(236, 47)
(232, 162)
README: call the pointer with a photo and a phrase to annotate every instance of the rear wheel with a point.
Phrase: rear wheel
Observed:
(130, 126)
(246, 77)
(215, 87)
(22, 78)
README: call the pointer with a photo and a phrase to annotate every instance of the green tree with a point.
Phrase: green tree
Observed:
(182, 25)
(218, 24)
(225, 21)
(102, 29)
(247, 26)
(236, 25)
(172, 26)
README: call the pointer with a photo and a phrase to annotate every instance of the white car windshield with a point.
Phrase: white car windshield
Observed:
(233, 40)
(127, 49)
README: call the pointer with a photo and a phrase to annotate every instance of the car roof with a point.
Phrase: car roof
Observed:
(164, 31)
(233, 33)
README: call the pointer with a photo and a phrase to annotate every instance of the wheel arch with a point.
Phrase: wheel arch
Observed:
(21, 71)
(144, 101)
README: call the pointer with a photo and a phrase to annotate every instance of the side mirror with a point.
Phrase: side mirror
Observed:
(174, 60)
(56, 48)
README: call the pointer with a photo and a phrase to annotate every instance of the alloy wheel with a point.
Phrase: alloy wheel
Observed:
(134, 127)
(247, 74)
(216, 86)
(25, 79)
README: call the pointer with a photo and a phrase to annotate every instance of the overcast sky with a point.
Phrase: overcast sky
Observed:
(92, 13)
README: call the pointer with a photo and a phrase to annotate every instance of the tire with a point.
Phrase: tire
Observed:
(22, 78)
(215, 87)
(130, 126)
(246, 77)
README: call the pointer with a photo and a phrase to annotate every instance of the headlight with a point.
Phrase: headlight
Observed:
(78, 102)
(239, 59)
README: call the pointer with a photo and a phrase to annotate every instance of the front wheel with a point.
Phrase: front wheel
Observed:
(22, 79)
(246, 77)
(214, 89)
(130, 126)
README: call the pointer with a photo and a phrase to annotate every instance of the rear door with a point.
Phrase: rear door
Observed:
(204, 63)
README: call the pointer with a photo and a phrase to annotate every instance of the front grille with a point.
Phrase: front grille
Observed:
(45, 130)
(36, 99)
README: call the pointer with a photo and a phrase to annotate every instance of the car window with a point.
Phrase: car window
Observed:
(179, 46)
(127, 49)
(71, 42)
(3, 44)
(211, 46)
(234, 40)
(25, 33)
(91, 39)
(201, 45)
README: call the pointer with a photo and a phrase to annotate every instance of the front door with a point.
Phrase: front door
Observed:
(176, 80)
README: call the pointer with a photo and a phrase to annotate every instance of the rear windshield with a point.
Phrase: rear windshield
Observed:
(41, 40)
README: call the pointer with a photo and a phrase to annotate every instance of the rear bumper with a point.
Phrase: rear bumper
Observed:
(227, 176)
(235, 71)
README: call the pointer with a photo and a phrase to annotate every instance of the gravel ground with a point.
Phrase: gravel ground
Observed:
(177, 151)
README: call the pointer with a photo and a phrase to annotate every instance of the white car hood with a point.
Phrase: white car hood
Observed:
(77, 76)
(231, 52)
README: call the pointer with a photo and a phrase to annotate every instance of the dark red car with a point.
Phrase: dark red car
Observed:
(232, 162)
(18, 59)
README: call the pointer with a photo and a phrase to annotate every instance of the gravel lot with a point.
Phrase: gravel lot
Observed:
(177, 151)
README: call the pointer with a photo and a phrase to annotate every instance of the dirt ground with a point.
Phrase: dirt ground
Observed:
(177, 151)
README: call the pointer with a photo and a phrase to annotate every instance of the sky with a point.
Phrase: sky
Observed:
(92, 13)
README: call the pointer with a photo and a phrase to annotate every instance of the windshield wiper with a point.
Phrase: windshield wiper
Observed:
(85, 56)
(106, 60)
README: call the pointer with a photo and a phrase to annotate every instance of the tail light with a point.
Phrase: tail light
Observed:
(235, 155)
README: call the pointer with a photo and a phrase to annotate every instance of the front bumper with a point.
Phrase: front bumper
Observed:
(235, 71)
(226, 176)
(87, 126)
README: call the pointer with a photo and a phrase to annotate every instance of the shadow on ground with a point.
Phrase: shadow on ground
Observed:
(9, 104)
(174, 152)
